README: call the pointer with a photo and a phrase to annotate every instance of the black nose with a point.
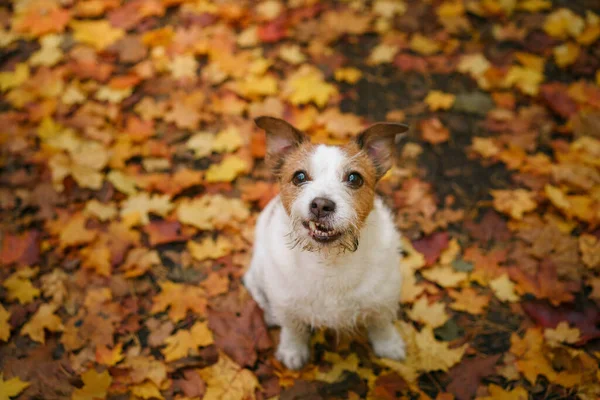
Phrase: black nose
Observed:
(321, 207)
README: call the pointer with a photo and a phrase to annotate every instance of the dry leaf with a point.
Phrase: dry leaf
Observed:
(95, 385)
(43, 318)
(179, 299)
(226, 380)
(433, 315)
(514, 202)
(504, 289)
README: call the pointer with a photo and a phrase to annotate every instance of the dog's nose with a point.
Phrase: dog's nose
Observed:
(321, 207)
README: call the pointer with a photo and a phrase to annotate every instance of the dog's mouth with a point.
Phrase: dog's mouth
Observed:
(321, 232)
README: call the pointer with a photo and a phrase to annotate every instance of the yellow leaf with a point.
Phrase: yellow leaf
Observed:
(339, 364)
(444, 275)
(292, 54)
(112, 95)
(433, 315)
(228, 140)
(562, 334)
(350, 75)
(181, 343)
(19, 288)
(102, 211)
(179, 298)
(382, 53)
(146, 368)
(589, 246)
(563, 23)
(11, 387)
(423, 45)
(201, 144)
(514, 202)
(307, 84)
(486, 147)
(226, 380)
(95, 386)
(122, 182)
(498, 393)
(504, 289)
(143, 204)
(109, 357)
(255, 86)
(410, 289)
(43, 318)
(527, 80)
(449, 254)
(212, 212)
(229, 169)
(437, 100)
(468, 300)
(146, 390)
(557, 197)
(50, 53)
(99, 34)
(10, 80)
(183, 66)
(4, 324)
(450, 9)
(209, 248)
(566, 54)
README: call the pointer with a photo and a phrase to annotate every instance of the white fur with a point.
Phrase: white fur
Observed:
(299, 289)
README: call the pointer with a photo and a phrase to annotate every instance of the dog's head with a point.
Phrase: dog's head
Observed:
(328, 191)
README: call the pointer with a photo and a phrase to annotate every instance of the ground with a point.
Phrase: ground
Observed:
(132, 176)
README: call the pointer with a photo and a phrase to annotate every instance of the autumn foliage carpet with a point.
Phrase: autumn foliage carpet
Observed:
(132, 175)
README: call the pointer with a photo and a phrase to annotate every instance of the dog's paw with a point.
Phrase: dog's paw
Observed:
(293, 357)
(392, 347)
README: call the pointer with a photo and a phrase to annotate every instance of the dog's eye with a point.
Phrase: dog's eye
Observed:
(299, 178)
(354, 180)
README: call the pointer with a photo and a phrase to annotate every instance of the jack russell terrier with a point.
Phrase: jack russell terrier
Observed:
(326, 252)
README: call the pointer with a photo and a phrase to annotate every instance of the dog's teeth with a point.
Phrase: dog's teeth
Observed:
(312, 226)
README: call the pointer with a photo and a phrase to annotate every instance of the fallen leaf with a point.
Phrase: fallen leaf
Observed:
(307, 85)
(514, 202)
(95, 385)
(433, 315)
(210, 212)
(467, 376)
(468, 300)
(589, 246)
(19, 287)
(99, 34)
(562, 334)
(437, 100)
(183, 341)
(498, 393)
(432, 246)
(432, 131)
(229, 169)
(22, 249)
(210, 248)
(4, 324)
(11, 387)
(504, 289)
(444, 275)
(215, 284)
(179, 299)
(226, 380)
(142, 204)
(43, 318)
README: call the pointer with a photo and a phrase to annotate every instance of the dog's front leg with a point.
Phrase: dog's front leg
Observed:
(293, 350)
(386, 340)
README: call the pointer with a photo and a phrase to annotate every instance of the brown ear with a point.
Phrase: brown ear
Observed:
(281, 139)
(378, 141)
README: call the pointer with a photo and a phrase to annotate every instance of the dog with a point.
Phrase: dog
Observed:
(327, 252)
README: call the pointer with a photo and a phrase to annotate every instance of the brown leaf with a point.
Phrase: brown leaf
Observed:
(434, 132)
(467, 376)
(240, 337)
(22, 249)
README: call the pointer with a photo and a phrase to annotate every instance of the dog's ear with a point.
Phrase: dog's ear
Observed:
(378, 141)
(281, 139)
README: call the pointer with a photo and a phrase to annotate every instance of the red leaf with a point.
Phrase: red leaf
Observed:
(583, 316)
(23, 249)
(272, 32)
(556, 96)
(431, 246)
(161, 232)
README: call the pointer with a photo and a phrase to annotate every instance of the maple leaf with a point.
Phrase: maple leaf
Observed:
(50, 53)
(349, 75)
(145, 368)
(109, 357)
(566, 54)
(467, 376)
(437, 100)
(22, 249)
(97, 257)
(433, 315)
(306, 85)
(183, 341)
(382, 53)
(210, 248)
(43, 318)
(468, 300)
(563, 23)
(227, 140)
(514, 202)
(433, 131)
(504, 289)
(423, 45)
(4, 324)
(226, 380)
(589, 246)
(229, 169)
(179, 299)
(41, 17)
(562, 334)
(444, 275)
(11, 387)
(142, 204)
(19, 287)
(95, 385)
(215, 284)
(75, 233)
(498, 393)
(99, 34)
(146, 390)
(431, 246)
(212, 212)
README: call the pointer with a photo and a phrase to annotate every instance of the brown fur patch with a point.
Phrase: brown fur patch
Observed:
(364, 196)
(297, 160)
